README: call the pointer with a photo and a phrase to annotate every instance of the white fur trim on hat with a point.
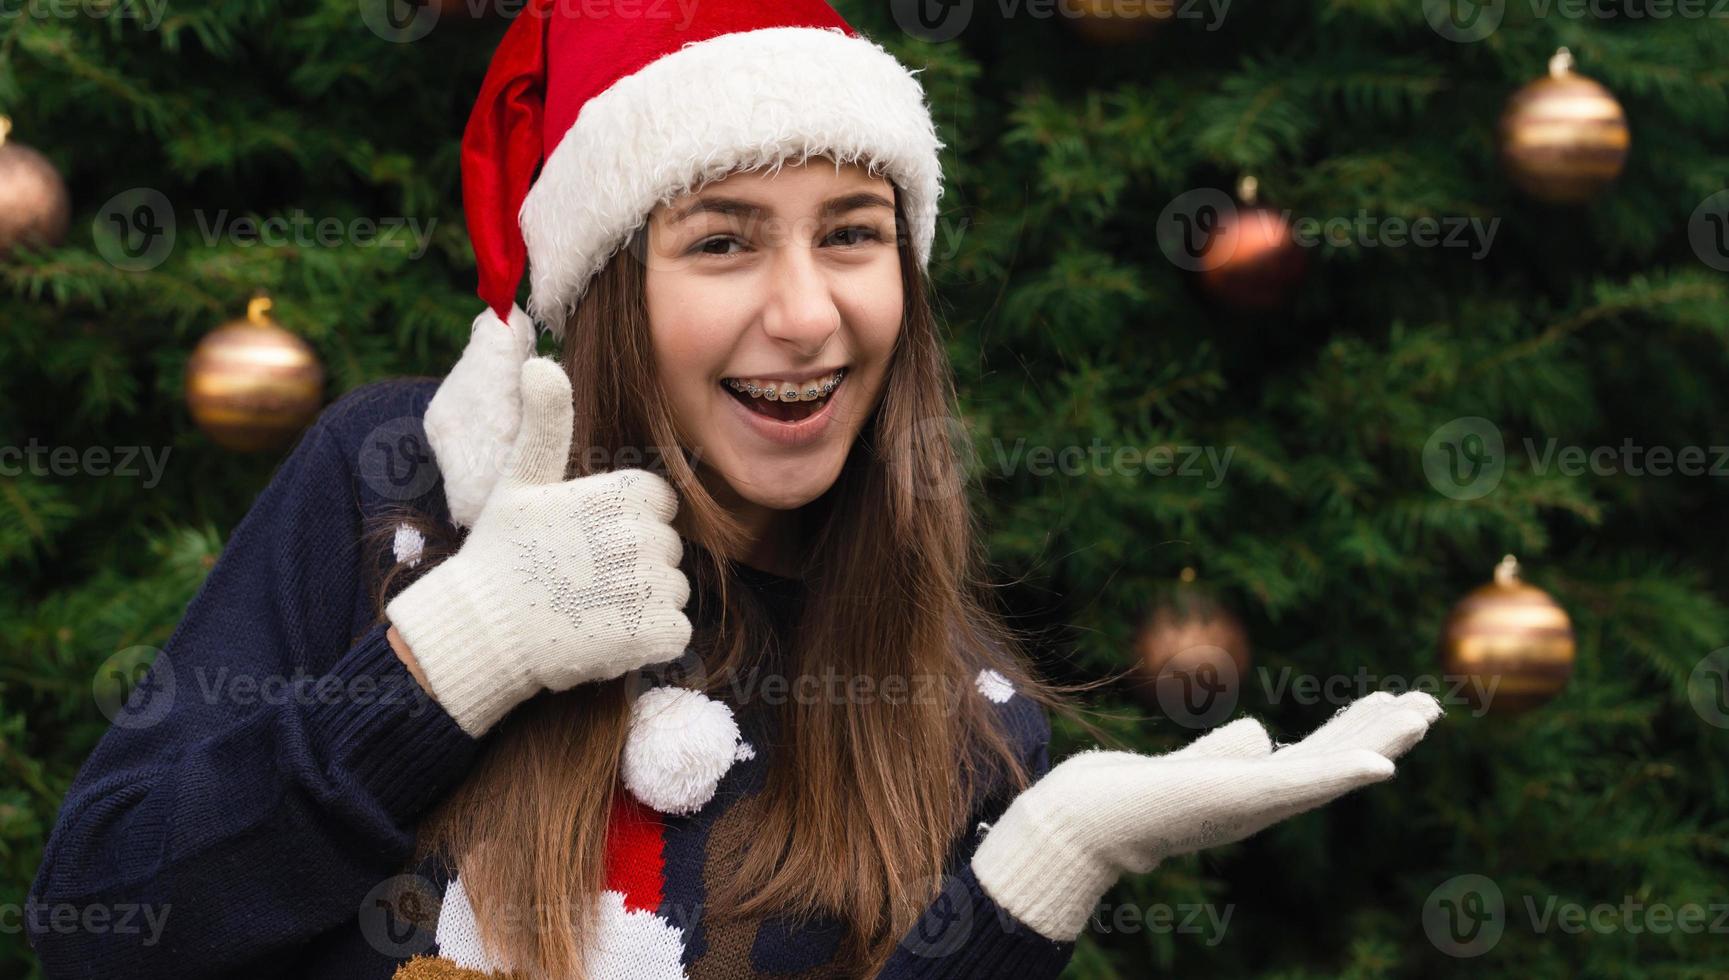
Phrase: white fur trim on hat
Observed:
(681, 742)
(734, 102)
(474, 416)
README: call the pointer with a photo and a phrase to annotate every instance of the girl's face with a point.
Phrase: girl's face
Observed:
(778, 281)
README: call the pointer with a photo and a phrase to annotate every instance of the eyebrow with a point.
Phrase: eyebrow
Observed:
(743, 208)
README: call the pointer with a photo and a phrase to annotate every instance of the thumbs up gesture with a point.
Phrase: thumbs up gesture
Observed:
(559, 582)
(1067, 838)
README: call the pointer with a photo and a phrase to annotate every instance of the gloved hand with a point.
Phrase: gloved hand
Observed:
(1067, 838)
(559, 582)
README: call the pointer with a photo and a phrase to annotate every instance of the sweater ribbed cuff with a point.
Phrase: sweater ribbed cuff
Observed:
(1032, 870)
(965, 935)
(453, 640)
(376, 723)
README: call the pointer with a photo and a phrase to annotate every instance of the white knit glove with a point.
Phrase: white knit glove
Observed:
(1067, 838)
(559, 582)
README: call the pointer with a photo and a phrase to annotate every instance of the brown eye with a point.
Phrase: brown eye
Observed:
(704, 246)
(862, 234)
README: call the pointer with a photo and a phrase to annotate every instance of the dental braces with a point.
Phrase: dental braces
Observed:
(791, 393)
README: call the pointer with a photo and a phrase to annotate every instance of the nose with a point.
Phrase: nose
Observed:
(800, 312)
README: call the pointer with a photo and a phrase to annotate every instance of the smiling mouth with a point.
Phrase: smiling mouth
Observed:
(775, 407)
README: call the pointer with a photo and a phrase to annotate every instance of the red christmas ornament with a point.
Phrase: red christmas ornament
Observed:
(34, 207)
(1251, 262)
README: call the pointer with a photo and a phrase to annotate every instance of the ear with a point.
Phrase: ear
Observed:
(474, 416)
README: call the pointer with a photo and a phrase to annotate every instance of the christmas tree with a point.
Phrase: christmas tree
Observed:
(1444, 368)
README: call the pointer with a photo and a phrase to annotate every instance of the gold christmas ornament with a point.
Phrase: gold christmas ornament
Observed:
(1192, 654)
(1251, 263)
(1117, 21)
(1511, 640)
(34, 206)
(1563, 138)
(252, 385)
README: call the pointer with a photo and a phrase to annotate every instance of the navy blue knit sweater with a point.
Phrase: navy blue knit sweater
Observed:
(229, 825)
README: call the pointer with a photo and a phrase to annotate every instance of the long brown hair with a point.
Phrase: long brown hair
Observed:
(864, 798)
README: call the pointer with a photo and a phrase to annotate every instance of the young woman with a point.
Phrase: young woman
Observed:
(671, 660)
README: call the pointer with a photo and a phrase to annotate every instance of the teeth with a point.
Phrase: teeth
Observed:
(787, 391)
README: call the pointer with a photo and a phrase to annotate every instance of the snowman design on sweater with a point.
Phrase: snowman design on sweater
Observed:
(681, 750)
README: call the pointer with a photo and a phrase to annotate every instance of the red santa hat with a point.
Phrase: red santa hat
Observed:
(626, 105)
